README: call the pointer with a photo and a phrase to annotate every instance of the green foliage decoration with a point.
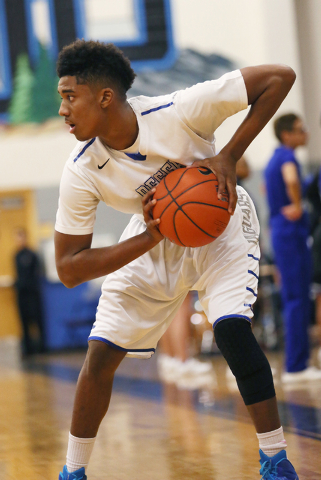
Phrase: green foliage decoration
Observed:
(45, 98)
(20, 105)
(35, 97)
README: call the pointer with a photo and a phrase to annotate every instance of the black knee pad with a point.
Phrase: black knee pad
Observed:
(249, 365)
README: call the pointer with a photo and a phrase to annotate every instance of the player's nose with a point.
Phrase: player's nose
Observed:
(63, 110)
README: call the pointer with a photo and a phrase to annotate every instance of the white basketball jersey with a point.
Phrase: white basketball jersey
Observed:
(174, 130)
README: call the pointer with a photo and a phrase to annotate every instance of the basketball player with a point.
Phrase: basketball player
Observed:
(289, 225)
(125, 147)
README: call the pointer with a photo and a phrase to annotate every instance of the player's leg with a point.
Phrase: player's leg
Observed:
(24, 313)
(173, 348)
(36, 314)
(175, 359)
(249, 365)
(175, 341)
(296, 279)
(228, 297)
(179, 330)
(91, 403)
(137, 305)
(252, 371)
(316, 256)
(94, 388)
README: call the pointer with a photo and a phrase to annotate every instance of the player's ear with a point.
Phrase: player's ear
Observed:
(285, 135)
(106, 97)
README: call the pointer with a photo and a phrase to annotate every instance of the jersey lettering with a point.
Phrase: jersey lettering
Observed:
(157, 177)
(248, 231)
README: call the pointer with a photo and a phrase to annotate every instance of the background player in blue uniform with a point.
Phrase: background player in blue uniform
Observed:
(289, 233)
(142, 273)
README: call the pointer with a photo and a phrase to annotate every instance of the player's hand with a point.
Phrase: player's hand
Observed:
(292, 212)
(224, 167)
(151, 224)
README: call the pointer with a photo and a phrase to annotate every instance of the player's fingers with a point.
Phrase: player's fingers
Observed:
(146, 199)
(221, 180)
(153, 223)
(232, 195)
(194, 164)
(203, 163)
(197, 163)
(148, 207)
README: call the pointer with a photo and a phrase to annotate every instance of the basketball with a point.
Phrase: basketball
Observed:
(190, 213)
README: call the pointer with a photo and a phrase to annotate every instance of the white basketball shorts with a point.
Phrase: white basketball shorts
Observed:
(139, 301)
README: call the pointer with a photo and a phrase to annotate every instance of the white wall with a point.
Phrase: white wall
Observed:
(33, 156)
(309, 35)
(249, 32)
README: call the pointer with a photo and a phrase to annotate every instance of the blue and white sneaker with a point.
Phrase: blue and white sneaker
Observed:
(277, 467)
(77, 475)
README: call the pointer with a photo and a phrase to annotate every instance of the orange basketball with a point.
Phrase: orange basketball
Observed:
(190, 213)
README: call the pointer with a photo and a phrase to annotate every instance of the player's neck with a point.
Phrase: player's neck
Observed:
(122, 128)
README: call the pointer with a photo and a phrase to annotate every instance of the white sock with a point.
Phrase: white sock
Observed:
(273, 442)
(78, 452)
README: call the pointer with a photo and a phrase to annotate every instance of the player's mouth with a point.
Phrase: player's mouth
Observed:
(72, 127)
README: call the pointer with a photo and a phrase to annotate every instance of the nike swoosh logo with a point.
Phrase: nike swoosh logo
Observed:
(102, 166)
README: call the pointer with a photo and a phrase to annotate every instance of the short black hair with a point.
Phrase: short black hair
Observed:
(94, 62)
(284, 124)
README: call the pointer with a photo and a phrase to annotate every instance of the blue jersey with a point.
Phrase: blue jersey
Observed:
(276, 189)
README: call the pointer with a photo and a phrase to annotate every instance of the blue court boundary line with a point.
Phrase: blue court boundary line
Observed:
(298, 419)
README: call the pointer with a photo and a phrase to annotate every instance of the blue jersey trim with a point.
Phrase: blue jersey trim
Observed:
(252, 273)
(121, 348)
(156, 108)
(252, 256)
(248, 305)
(85, 148)
(136, 156)
(231, 316)
(252, 291)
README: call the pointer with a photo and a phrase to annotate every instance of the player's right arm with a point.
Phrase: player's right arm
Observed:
(77, 262)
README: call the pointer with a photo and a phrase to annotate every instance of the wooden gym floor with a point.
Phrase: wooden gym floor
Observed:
(154, 430)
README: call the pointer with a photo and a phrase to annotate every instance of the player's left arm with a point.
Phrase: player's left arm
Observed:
(266, 86)
(294, 210)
